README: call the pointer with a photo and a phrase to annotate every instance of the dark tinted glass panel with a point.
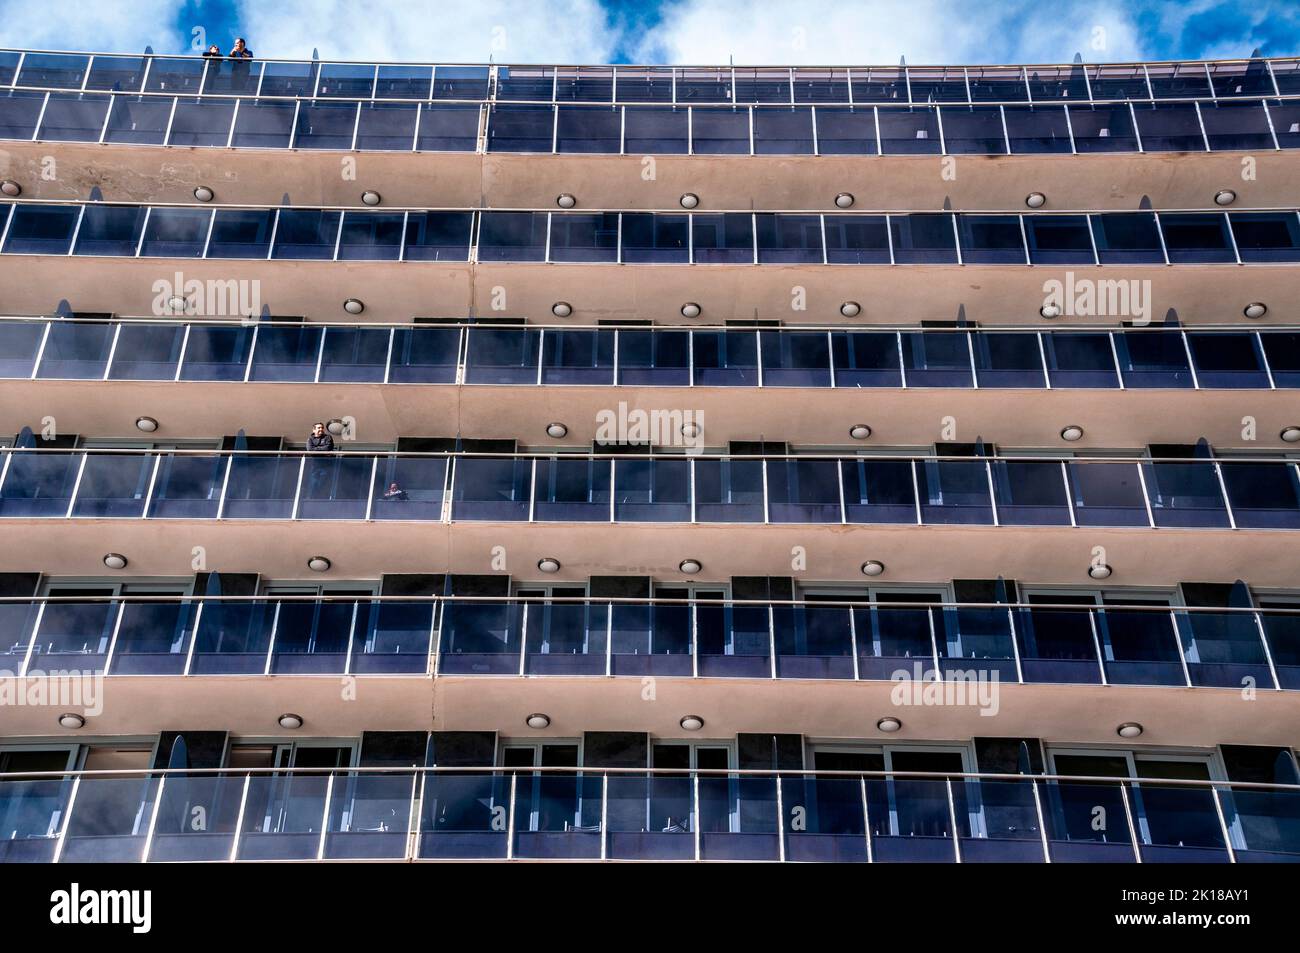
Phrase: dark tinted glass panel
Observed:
(351, 80)
(264, 124)
(866, 359)
(175, 233)
(1266, 236)
(1226, 359)
(1236, 125)
(147, 352)
(584, 84)
(306, 233)
(813, 85)
(653, 357)
(397, 81)
(655, 238)
(1082, 359)
(1107, 494)
(578, 357)
(521, 128)
(502, 356)
(18, 114)
(1193, 238)
(909, 131)
(1103, 128)
(584, 237)
(354, 354)
(512, 236)
(1169, 127)
(954, 491)
(202, 122)
(783, 131)
(846, 130)
(723, 239)
(233, 76)
(1058, 239)
(991, 239)
(589, 129)
(720, 131)
(110, 230)
(796, 358)
(424, 355)
(19, 343)
(525, 83)
(438, 236)
(789, 239)
(241, 233)
(1037, 129)
(448, 127)
(1283, 352)
(660, 130)
(175, 75)
(973, 130)
(923, 239)
(996, 84)
(1008, 360)
(857, 239)
(74, 117)
(139, 119)
(725, 358)
(1117, 82)
(762, 85)
(645, 85)
(1062, 82)
(76, 350)
(704, 86)
(289, 79)
(1127, 239)
(42, 230)
(1178, 80)
(8, 66)
(460, 82)
(878, 491)
(937, 85)
(1153, 359)
(286, 353)
(937, 359)
(389, 127)
(879, 85)
(216, 353)
(58, 70)
(325, 125)
(113, 485)
(371, 236)
(1263, 495)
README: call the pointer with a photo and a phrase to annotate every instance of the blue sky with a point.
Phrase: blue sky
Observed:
(670, 31)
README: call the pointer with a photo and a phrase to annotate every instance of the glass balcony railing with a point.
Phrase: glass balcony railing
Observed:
(1061, 239)
(535, 355)
(1189, 493)
(492, 813)
(189, 101)
(979, 645)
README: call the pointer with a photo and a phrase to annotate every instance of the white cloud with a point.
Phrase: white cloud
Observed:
(118, 25)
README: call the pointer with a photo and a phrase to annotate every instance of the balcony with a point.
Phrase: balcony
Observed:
(405, 814)
(1038, 643)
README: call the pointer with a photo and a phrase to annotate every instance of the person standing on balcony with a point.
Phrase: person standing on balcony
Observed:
(212, 52)
(240, 51)
(318, 470)
(319, 441)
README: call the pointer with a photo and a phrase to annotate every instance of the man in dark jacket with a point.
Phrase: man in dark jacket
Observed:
(319, 441)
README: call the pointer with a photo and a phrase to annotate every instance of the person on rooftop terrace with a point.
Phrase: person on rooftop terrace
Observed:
(212, 51)
(240, 51)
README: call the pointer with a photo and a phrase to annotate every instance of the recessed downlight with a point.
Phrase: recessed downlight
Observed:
(690, 566)
(689, 200)
(70, 719)
(354, 306)
(548, 564)
(844, 200)
(290, 721)
(319, 564)
(538, 721)
(1256, 309)
(1072, 433)
(371, 197)
(691, 430)
(204, 194)
(11, 188)
(691, 310)
(115, 560)
(1035, 199)
(336, 427)
(565, 200)
(176, 303)
(561, 309)
(557, 430)
(1290, 434)
(873, 567)
(850, 309)
(889, 724)
(1130, 729)
(146, 424)
(859, 431)
(1099, 571)
(1050, 311)
(1225, 197)
(691, 722)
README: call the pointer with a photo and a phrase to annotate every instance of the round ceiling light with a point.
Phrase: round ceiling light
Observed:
(690, 566)
(1050, 311)
(844, 200)
(1035, 199)
(565, 200)
(319, 564)
(70, 719)
(11, 188)
(204, 194)
(850, 309)
(146, 424)
(691, 430)
(1130, 729)
(336, 427)
(859, 431)
(371, 197)
(115, 560)
(538, 720)
(873, 567)
(561, 309)
(1290, 434)
(691, 310)
(548, 564)
(290, 720)
(1256, 309)
(557, 430)
(691, 722)
(1099, 571)
(889, 724)
(353, 306)
(1072, 433)
(1225, 197)
(689, 200)
(176, 303)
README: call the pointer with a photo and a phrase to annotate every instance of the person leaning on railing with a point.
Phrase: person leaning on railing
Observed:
(240, 50)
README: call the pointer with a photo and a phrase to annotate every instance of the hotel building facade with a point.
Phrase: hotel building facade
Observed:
(866, 464)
